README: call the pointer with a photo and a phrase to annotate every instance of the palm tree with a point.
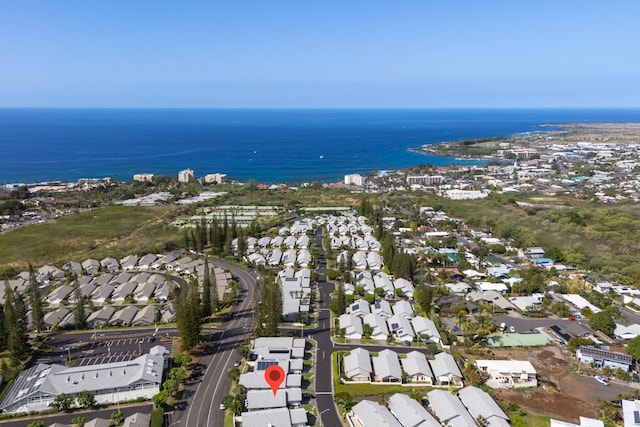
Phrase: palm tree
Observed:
(464, 323)
(484, 325)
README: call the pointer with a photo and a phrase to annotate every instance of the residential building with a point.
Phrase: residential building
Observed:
(449, 409)
(386, 367)
(352, 326)
(417, 368)
(185, 175)
(480, 404)
(409, 412)
(354, 179)
(371, 414)
(446, 370)
(100, 318)
(143, 177)
(278, 417)
(507, 373)
(601, 358)
(215, 178)
(357, 365)
(379, 329)
(426, 329)
(584, 422)
(631, 413)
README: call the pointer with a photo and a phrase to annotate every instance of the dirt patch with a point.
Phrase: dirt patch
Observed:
(560, 393)
(548, 401)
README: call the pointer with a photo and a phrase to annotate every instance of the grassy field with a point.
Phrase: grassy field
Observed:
(110, 231)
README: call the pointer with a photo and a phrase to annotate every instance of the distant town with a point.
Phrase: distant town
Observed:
(496, 294)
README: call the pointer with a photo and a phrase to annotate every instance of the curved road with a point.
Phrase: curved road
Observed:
(204, 399)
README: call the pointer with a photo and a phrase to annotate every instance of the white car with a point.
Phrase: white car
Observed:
(222, 407)
(602, 380)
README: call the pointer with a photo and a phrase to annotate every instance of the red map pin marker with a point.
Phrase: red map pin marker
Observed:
(274, 375)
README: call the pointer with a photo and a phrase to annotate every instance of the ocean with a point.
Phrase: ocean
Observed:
(270, 146)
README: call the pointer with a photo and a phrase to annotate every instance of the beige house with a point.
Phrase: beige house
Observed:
(507, 373)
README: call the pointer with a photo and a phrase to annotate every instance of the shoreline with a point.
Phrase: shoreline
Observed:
(453, 152)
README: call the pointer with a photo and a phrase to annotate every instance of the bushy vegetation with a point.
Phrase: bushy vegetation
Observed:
(110, 231)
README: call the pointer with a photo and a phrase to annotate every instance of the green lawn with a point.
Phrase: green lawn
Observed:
(110, 231)
(373, 391)
(529, 420)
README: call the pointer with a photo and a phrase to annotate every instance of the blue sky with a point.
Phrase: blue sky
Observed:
(326, 54)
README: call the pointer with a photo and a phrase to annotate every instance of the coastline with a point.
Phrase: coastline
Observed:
(294, 147)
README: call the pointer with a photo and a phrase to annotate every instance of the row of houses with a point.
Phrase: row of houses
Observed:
(463, 409)
(295, 287)
(110, 282)
(401, 328)
(274, 258)
(115, 289)
(130, 315)
(387, 366)
(281, 408)
(370, 281)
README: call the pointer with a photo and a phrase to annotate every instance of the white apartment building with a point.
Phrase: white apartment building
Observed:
(185, 175)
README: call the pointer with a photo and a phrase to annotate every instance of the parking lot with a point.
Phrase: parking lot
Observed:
(118, 350)
(91, 349)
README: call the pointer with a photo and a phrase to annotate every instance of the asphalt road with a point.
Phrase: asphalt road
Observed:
(203, 399)
(327, 411)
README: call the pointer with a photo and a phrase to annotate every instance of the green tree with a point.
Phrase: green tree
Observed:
(79, 421)
(37, 318)
(160, 398)
(366, 330)
(188, 318)
(339, 304)
(423, 297)
(86, 399)
(182, 360)
(206, 290)
(78, 309)
(62, 402)
(244, 351)
(117, 417)
(602, 322)
(270, 308)
(38, 423)
(15, 323)
(633, 348)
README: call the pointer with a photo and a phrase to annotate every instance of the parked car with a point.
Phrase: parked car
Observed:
(222, 407)
(602, 380)
(512, 329)
(236, 363)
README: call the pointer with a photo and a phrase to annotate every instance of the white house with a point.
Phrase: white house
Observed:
(371, 414)
(426, 329)
(357, 365)
(409, 412)
(386, 367)
(507, 373)
(446, 370)
(480, 404)
(352, 326)
(379, 329)
(417, 368)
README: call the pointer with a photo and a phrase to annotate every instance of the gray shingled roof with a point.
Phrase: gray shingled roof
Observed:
(410, 413)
